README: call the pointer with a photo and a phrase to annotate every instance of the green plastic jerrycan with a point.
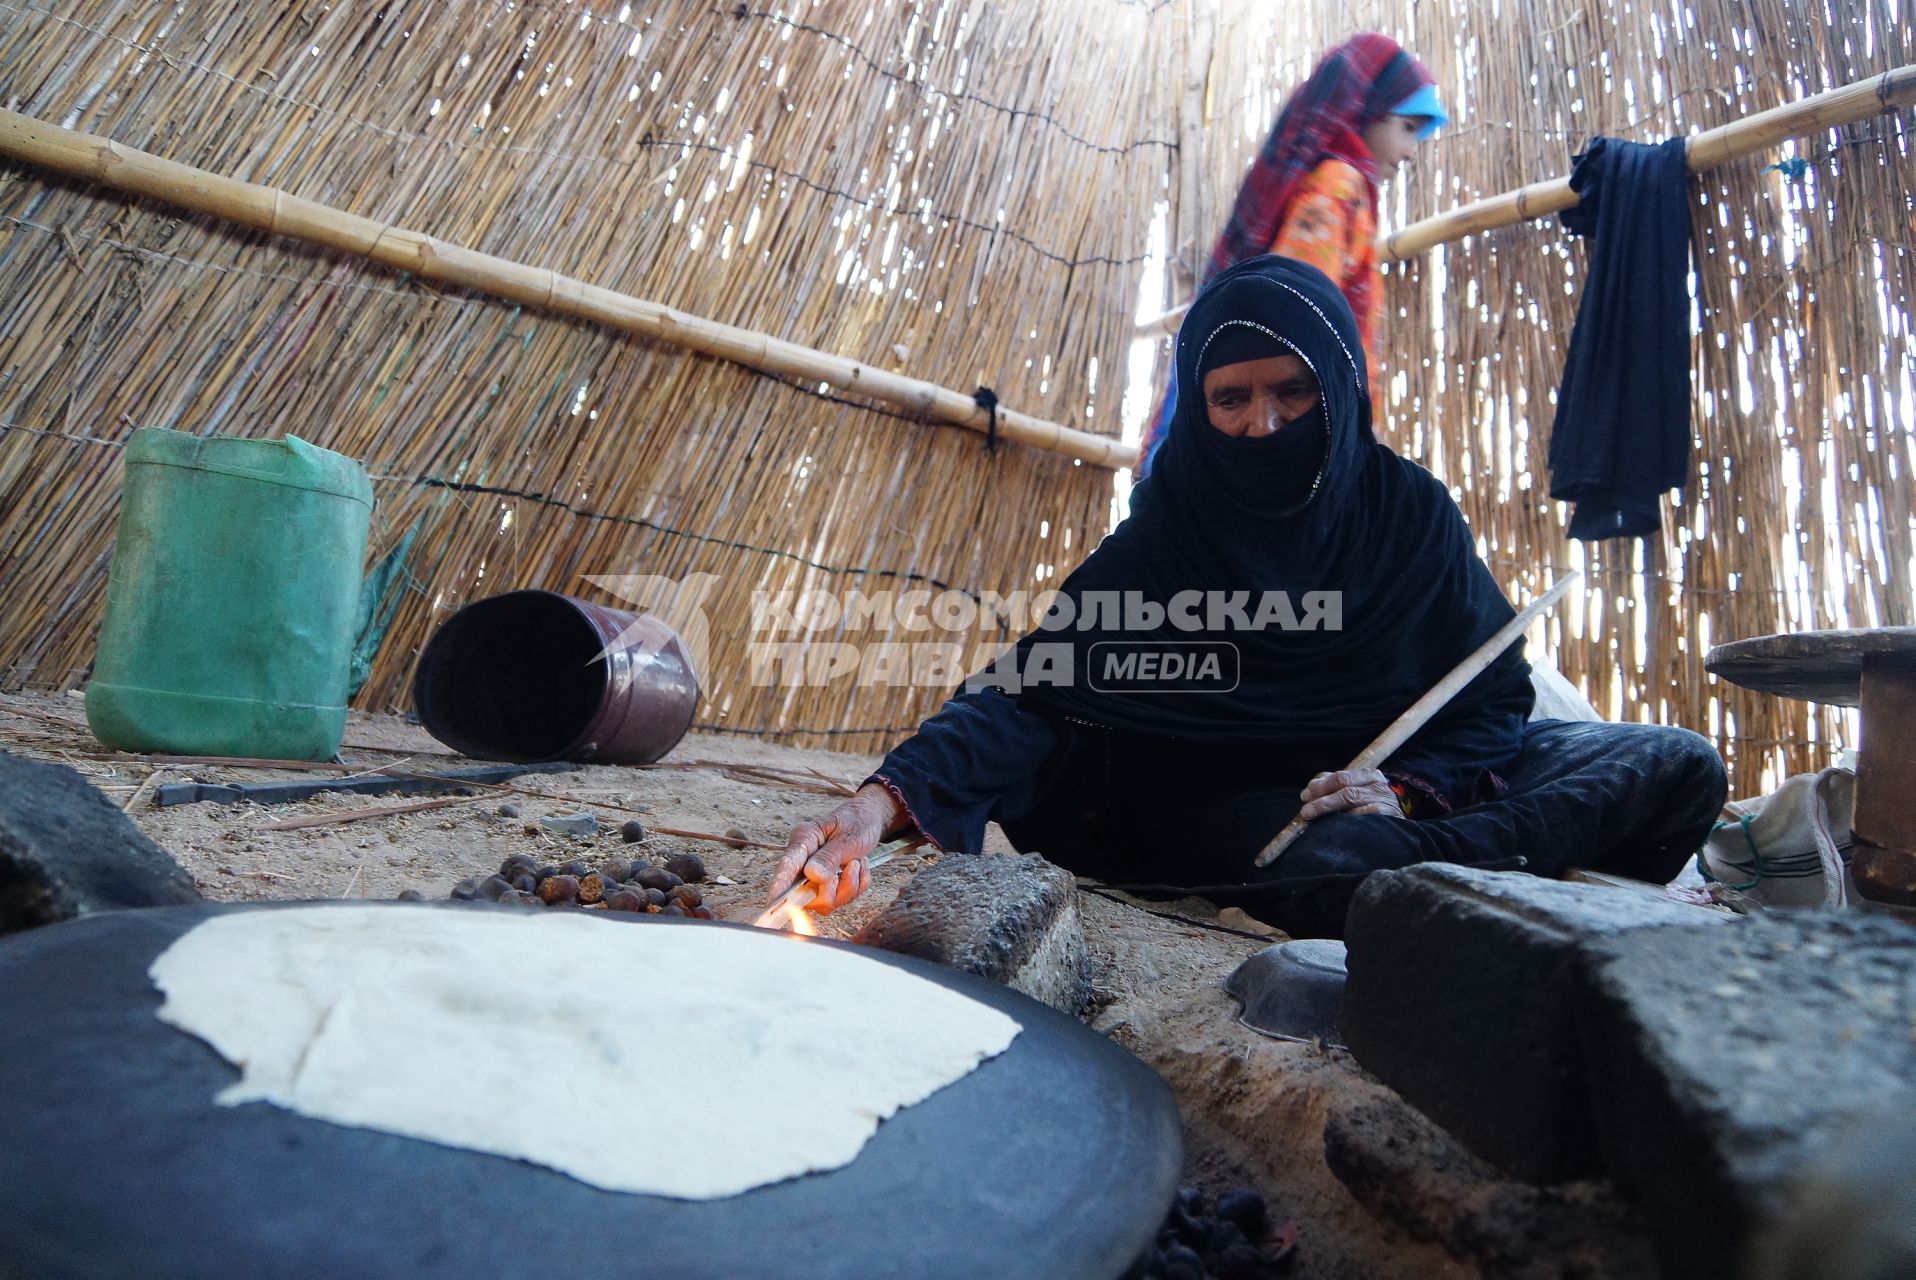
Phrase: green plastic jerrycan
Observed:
(233, 598)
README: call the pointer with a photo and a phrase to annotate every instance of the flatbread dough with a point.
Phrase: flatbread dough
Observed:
(739, 1058)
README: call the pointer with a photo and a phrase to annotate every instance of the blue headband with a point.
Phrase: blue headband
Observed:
(1426, 105)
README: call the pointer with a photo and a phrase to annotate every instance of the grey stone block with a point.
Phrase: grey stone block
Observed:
(66, 851)
(1725, 1066)
(1012, 919)
(1462, 994)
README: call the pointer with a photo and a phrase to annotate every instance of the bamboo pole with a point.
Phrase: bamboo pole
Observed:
(264, 208)
(1200, 39)
(1889, 91)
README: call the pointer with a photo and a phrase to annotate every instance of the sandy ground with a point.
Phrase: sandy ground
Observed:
(233, 857)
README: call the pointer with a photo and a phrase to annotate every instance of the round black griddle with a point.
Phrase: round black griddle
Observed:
(1058, 1158)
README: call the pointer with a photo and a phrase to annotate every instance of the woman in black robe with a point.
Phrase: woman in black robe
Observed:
(1317, 584)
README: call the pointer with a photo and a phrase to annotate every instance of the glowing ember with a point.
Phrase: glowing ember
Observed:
(801, 921)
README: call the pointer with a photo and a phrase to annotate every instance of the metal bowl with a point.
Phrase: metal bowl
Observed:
(1293, 991)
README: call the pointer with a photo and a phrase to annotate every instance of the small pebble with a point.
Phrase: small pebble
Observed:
(514, 898)
(686, 896)
(1241, 1261)
(1246, 1208)
(704, 913)
(615, 870)
(625, 900)
(508, 810)
(492, 886)
(545, 871)
(556, 889)
(653, 878)
(580, 826)
(656, 897)
(633, 832)
(671, 909)
(1177, 1262)
(531, 828)
(526, 883)
(689, 867)
(518, 864)
(466, 890)
(574, 868)
(736, 838)
(411, 895)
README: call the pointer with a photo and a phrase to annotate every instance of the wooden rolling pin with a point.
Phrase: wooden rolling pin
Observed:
(1420, 711)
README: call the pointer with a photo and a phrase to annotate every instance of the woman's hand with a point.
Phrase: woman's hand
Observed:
(1350, 791)
(832, 851)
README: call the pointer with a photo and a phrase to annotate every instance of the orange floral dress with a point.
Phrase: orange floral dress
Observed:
(1331, 223)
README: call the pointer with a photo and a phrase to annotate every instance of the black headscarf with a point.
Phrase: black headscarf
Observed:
(1319, 506)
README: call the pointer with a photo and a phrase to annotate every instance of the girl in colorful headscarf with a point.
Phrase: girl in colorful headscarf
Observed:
(1311, 194)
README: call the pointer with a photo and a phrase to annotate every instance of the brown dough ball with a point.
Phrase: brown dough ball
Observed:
(556, 889)
(591, 888)
(689, 867)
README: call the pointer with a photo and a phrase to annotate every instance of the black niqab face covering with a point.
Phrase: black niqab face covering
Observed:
(1287, 466)
(1317, 509)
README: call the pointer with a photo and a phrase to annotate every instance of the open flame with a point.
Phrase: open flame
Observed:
(801, 921)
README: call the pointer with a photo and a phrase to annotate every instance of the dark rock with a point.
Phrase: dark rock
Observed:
(411, 895)
(1013, 919)
(465, 891)
(633, 832)
(1246, 1208)
(508, 810)
(1176, 1262)
(1853, 1214)
(1409, 1173)
(1220, 1235)
(1725, 1066)
(689, 867)
(1461, 996)
(492, 886)
(66, 851)
(1240, 1261)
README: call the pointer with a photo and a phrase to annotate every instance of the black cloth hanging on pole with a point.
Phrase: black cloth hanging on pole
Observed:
(1622, 431)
